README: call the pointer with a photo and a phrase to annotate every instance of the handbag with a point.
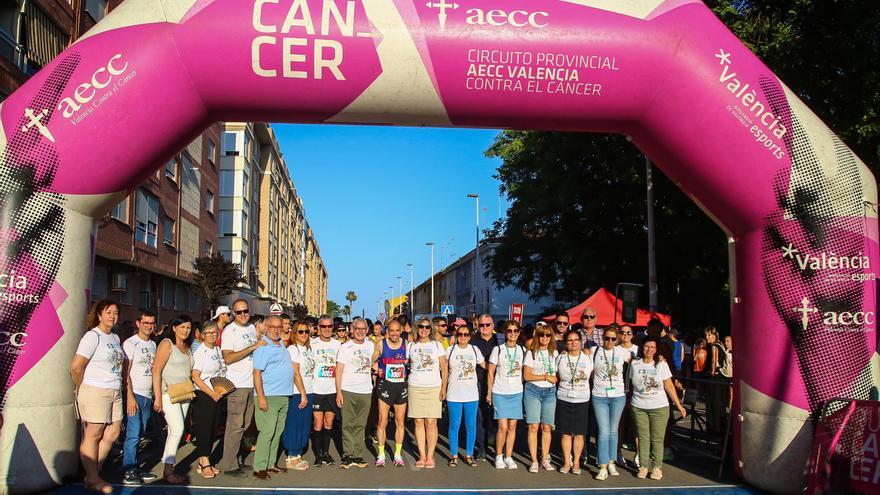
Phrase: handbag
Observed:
(181, 392)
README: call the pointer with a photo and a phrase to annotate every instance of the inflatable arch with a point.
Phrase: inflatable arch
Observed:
(798, 206)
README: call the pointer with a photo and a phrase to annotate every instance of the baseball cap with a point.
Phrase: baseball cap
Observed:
(220, 311)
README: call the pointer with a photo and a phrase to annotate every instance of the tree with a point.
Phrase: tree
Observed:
(346, 311)
(300, 311)
(351, 297)
(214, 278)
(333, 309)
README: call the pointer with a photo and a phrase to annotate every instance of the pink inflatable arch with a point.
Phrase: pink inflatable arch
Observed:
(798, 206)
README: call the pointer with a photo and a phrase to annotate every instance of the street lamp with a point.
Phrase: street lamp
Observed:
(400, 289)
(391, 303)
(412, 293)
(477, 254)
(432, 276)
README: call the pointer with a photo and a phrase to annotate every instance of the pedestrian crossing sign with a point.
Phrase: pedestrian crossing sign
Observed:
(447, 309)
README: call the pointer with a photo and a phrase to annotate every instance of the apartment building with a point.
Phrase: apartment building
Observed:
(263, 224)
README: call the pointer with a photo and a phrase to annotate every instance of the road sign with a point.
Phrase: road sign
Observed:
(516, 312)
(447, 309)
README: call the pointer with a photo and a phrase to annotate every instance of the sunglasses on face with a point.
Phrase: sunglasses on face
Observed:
(543, 335)
(561, 323)
(301, 332)
(626, 333)
(442, 325)
(462, 335)
(611, 339)
(573, 341)
(485, 325)
(242, 311)
(511, 330)
(229, 314)
(589, 317)
(325, 326)
(425, 327)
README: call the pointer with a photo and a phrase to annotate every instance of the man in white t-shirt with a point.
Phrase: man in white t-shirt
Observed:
(239, 343)
(137, 367)
(324, 408)
(354, 390)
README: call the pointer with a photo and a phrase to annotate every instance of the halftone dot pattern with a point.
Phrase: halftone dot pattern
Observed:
(811, 219)
(32, 212)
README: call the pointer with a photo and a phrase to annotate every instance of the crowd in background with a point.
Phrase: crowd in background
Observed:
(305, 383)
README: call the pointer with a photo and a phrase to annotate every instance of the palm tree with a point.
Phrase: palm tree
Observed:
(351, 297)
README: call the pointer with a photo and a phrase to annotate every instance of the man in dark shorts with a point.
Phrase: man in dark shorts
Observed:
(391, 389)
(325, 410)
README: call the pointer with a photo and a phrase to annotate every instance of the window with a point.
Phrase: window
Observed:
(248, 145)
(226, 226)
(99, 283)
(179, 296)
(227, 183)
(171, 170)
(147, 211)
(212, 151)
(209, 248)
(209, 202)
(146, 299)
(167, 293)
(195, 303)
(168, 230)
(243, 227)
(96, 8)
(120, 211)
(230, 144)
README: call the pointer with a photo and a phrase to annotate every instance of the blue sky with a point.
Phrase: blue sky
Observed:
(374, 195)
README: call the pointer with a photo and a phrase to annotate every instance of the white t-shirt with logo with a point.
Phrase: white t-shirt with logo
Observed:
(324, 354)
(574, 377)
(634, 350)
(236, 338)
(104, 369)
(140, 353)
(608, 371)
(305, 358)
(424, 363)
(647, 384)
(542, 363)
(357, 373)
(462, 385)
(508, 372)
(210, 363)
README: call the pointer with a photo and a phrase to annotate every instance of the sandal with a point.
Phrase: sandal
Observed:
(100, 487)
(470, 461)
(420, 463)
(430, 464)
(206, 471)
(453, 462)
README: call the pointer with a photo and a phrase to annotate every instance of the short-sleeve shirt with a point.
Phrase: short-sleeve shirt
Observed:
(647, 384)
(236, 338)
(424, 363)
(574, 377)
(273, 361)
(463, 362)
(325, 365)
(508, 372)
(357, 371)
(608, 371)
(209, 362)
(305, 358)
(140, 353)
(542, 363)
(104, 369)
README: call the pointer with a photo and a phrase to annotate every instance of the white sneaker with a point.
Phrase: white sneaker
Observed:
(534, 468)
(612, 470)
(509, 463)
(636, 461)
(499, 462)
(603, 474)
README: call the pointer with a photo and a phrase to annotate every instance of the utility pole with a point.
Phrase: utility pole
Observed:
(400, 289)
(412, 293)
(652, 261)
(431, 311)
(477, 253)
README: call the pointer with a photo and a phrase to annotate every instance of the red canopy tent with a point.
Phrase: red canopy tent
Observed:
(603, 302)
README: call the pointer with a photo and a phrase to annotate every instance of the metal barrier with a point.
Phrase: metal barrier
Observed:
(707, 428)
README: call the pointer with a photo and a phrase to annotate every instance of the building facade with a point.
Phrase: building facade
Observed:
(454, 285)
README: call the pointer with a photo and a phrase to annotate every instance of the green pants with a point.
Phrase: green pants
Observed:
(651, 429)
(270, 424)
(355, 410)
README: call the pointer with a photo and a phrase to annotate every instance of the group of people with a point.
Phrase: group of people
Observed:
(299, 381)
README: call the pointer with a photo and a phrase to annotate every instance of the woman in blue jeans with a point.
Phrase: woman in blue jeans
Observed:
(609, 398)
(463, 393)
(540, 396)
(298, 424)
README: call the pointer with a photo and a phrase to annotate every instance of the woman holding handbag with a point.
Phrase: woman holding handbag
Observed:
(172, 371)
(207, 364)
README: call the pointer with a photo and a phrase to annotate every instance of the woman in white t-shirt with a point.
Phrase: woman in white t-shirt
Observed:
(207, 363)
(96, 370)
(651, 382)
(539, 372)
(173, 366)
(428, 373)
(609, 398)
(298, 424)
(463, 393)
(574, 367)
(505, 393)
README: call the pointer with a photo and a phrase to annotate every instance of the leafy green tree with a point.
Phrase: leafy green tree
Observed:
(351, 297)
(300, 311)
(214, 278)
(333, 308)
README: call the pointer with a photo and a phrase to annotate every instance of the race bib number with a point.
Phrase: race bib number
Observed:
(395, 373)
(327, 372)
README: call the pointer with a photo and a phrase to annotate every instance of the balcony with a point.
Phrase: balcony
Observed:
(30, 37)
